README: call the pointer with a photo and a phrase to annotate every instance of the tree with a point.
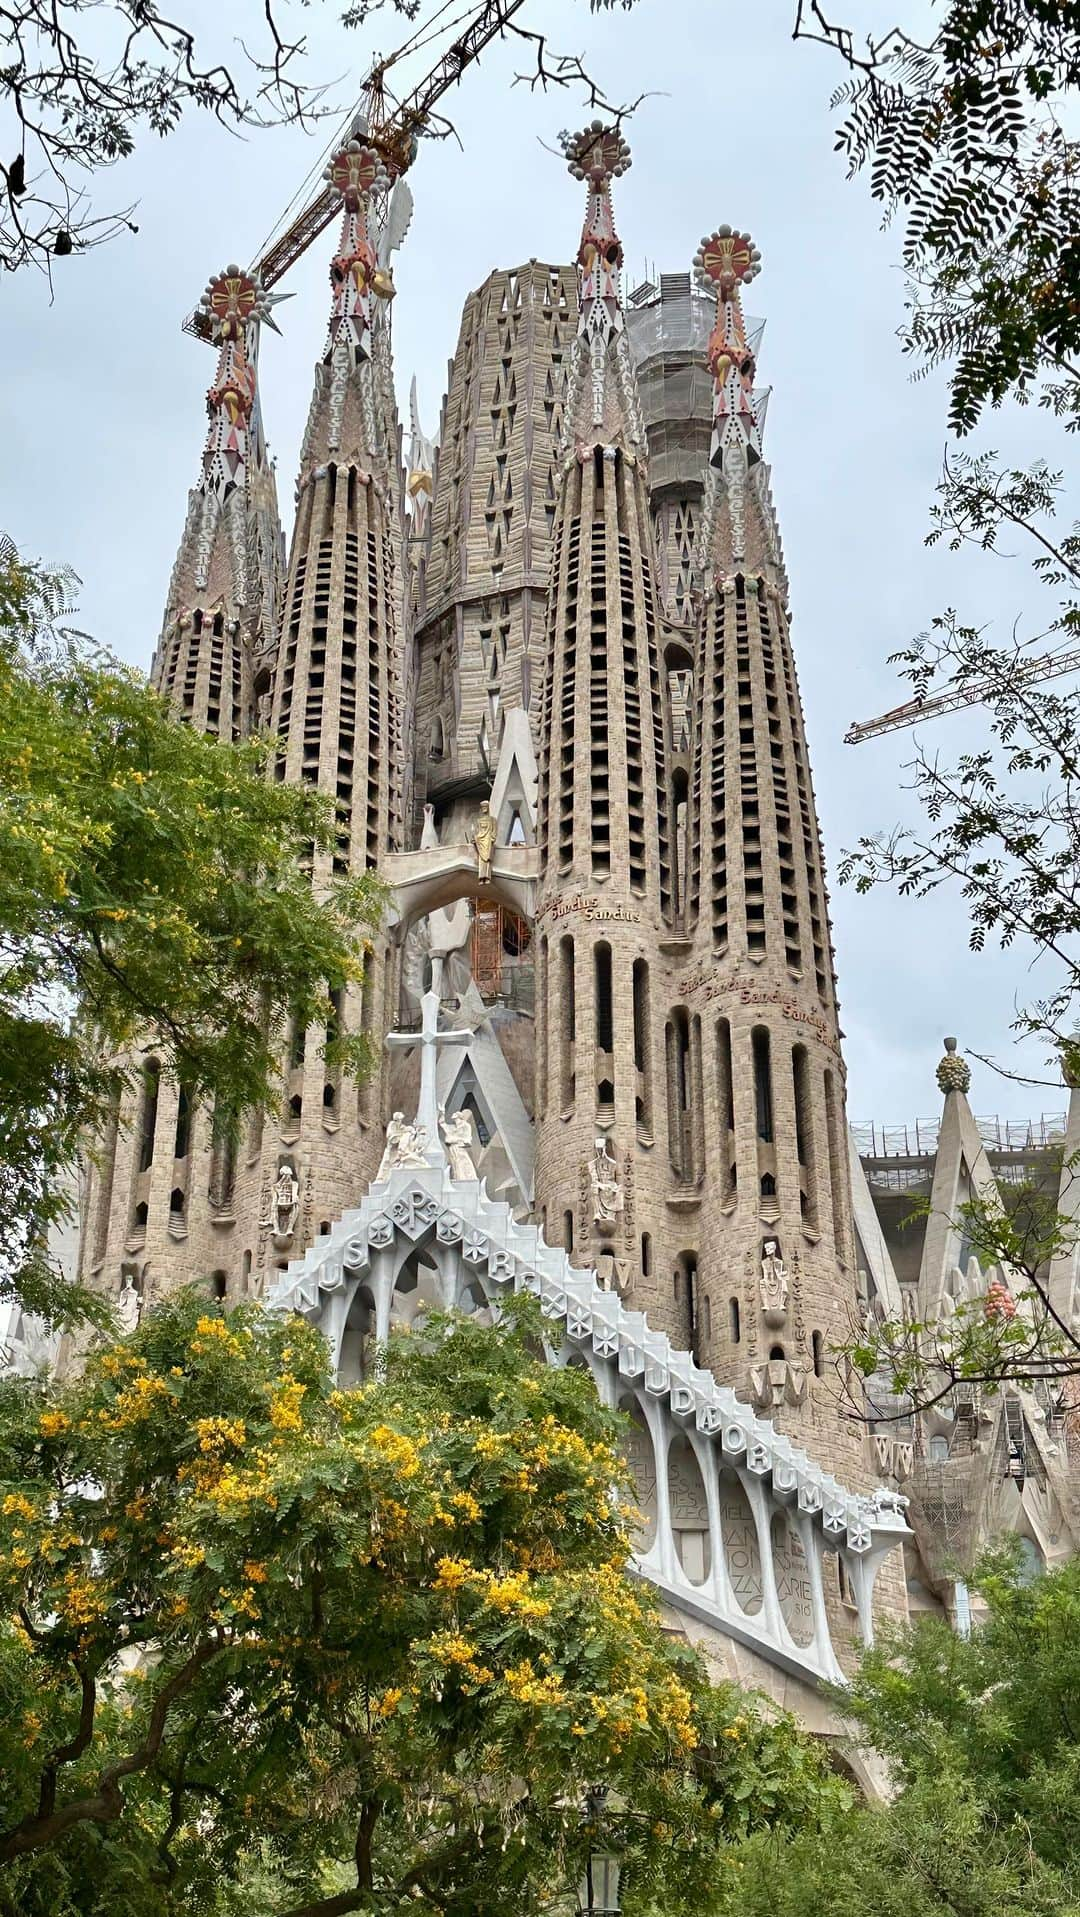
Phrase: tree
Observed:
(80, 100)
(982, 1736)
(152, 894)
(963, 132)
(1016, 1332)
(964, 138)
(386, 1637)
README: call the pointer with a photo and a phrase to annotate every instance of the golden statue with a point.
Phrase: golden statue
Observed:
(483, 837)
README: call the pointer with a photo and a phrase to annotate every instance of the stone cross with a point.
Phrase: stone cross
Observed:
(429, 1038)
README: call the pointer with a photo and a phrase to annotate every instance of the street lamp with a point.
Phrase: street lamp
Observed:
(598, 1893)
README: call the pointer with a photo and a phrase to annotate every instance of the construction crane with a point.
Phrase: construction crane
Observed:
(393, 130)
(1048, 665)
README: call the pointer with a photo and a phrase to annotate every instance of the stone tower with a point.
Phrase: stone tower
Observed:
(579, 626)
(486, 560)
(226, 584)
(605, 898)
(315, 656)
(757, 1025)
(160, 1189)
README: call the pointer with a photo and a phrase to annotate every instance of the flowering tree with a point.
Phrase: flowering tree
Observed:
(153, 879)
(362, 1648)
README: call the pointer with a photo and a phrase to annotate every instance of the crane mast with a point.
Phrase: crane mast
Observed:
(393, 134)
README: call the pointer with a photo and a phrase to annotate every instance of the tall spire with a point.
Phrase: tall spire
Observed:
(602, 405)
(226, 580)
(725, 262)
(234, 303)
(347, 418)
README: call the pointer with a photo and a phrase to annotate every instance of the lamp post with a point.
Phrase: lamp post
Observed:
(598, 1892)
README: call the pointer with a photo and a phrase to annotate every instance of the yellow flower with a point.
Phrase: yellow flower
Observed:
(397, 1449)
(523, 1684)
(453, 1573)
(214, 1432)
(469, 1506)
(255, 1573)
(82, 1602)
(285, 1406)
(53, 1424)
(17, 1506)
(385, 1705)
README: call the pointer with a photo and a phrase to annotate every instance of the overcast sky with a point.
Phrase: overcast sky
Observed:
(102, 420)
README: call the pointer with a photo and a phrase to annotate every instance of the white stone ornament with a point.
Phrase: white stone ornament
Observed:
(284, 1203)
(128, 1306)
(604, 1179)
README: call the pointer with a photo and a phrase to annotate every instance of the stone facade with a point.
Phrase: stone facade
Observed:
(570, 621)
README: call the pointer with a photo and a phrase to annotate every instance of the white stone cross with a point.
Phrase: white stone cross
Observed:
(429, 1038)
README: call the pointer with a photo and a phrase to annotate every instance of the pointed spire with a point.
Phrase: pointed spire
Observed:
(421, 468)
(724, 262)
(234, 303)
(355, 275)
(598, 155)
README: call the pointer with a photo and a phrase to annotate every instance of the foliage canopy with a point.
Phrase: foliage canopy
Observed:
(388, 1638)
(152, 895)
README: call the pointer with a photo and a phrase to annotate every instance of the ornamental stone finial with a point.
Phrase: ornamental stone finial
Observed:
(954, 1072)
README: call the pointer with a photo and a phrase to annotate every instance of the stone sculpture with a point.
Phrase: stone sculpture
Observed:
(604, 1178)
(483, 837)
(457, 1137)
(774, 1284)
(128, 1306)
(284, 1203)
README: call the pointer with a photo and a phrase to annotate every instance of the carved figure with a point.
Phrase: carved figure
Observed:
(457, 1137)
(773, 1283)
(604, 1178)
(284, 1202)
(483, 837)
(128, 1306)
(405, 1145)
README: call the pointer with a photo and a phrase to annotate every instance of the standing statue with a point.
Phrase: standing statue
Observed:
(604, 1177)
(285, 1202)
(457, 1137)
(483, 836)
(128, 1306)
(774, 1283)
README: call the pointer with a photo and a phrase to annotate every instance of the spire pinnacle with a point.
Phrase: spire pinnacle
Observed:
(726, 261)
(234, 302)
(355, 274)
(598, 155)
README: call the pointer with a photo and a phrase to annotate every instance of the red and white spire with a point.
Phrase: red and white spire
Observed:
(234, 302)
(358, 173)
(726, 261)
(598, 155)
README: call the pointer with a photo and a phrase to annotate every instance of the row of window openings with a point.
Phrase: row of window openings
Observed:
(684, 1071)
(221, 1152)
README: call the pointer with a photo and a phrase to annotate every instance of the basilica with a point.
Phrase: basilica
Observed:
(541, 661)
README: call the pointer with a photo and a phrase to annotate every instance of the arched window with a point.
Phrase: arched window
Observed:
(733, 1320)
(818, 1347)
(762, 1083)
(183, 1124)
(148, 1120)
(646, 1255)
(642, 1041)
(605, 1027)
